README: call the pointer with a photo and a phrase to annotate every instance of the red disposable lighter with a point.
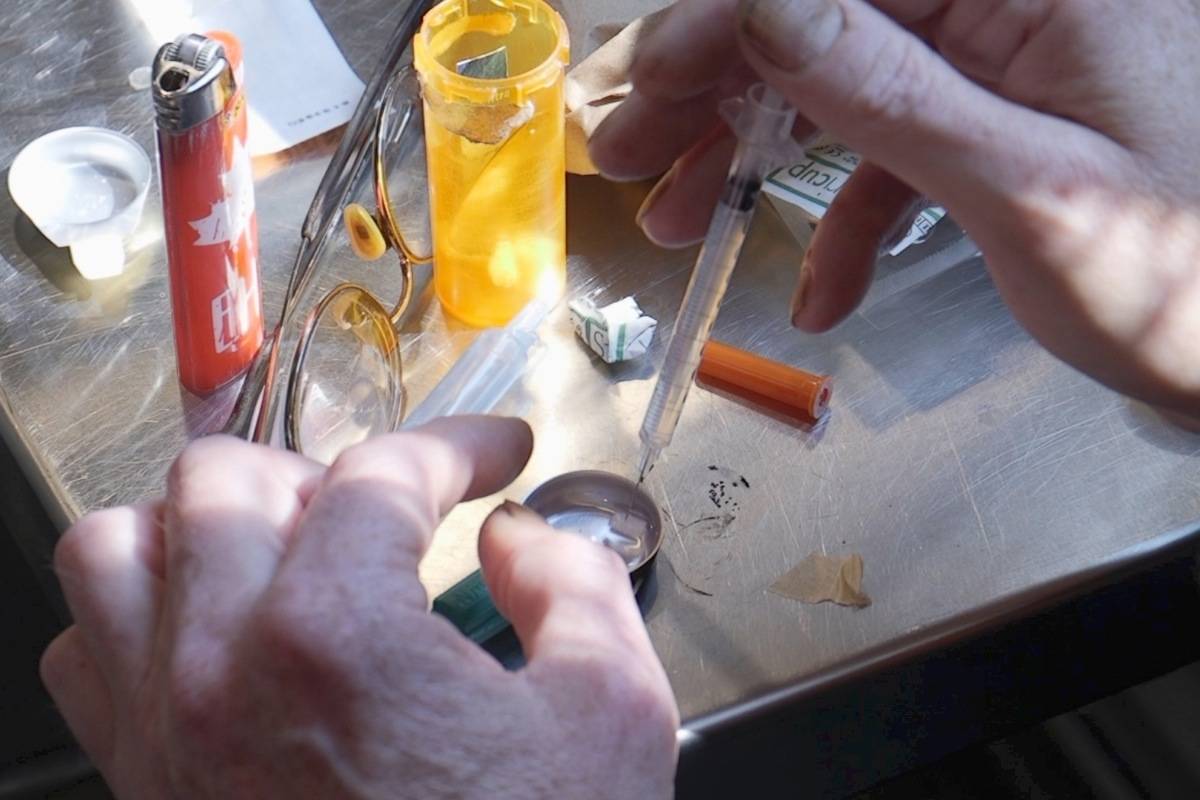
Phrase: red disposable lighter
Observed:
(208, 208)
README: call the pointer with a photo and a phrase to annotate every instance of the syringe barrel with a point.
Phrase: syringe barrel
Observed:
(764, 123)
(486, 370)
(702, 299)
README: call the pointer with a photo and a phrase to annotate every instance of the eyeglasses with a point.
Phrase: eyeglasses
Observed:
(252, 417)
(500, 213)
(345, 381)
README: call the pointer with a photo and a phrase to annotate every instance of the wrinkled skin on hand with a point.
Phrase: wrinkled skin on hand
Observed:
(1060, 133)
(260, 632)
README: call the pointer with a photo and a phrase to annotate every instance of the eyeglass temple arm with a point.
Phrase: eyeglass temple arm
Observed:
(330, 195)
(338, 178)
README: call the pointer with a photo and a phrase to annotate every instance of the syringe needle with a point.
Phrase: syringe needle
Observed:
(646, 462)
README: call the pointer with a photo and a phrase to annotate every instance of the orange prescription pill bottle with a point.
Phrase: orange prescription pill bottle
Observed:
(491, 76)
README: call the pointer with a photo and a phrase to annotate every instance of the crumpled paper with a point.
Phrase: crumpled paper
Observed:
(616, 332)
(821, 579)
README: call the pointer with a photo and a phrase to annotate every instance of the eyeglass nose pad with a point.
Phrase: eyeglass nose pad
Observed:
(366, 239)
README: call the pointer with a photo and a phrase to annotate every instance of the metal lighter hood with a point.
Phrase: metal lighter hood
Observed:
(191, 82)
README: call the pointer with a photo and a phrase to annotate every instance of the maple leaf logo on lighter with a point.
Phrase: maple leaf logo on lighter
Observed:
(228, 217)
(231, 310)
(226, 222)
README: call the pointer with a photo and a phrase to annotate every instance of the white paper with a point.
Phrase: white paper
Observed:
(812, 184)
(297, 81)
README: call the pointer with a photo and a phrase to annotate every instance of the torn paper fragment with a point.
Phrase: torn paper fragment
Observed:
(813, 183)
(821, 579)
(616, 332)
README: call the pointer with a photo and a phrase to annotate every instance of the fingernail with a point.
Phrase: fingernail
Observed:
(800, 299)
(663, 184)
(790, 33)
(514, 511)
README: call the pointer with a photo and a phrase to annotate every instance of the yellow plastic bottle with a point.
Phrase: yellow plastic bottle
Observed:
(495, 153)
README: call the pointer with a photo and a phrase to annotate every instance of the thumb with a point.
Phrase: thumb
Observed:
(564, 595)
(588, 653)
(856, 73)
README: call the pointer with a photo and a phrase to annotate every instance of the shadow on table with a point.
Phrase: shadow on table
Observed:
(1152, 427)
(209, 414)
(930, 343)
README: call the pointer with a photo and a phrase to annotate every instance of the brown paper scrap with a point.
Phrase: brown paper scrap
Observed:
(819, 579)
(598, 84)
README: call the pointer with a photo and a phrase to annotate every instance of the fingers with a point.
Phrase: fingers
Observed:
(677, 210)
(840, 261)
(682, 70)
(230, 508)
(859, 75)
(688, 52)
(620, 153)
(564, 595)
(371, 519)
(981, 37)
(572, 607)
(78, 688)
(110, 565)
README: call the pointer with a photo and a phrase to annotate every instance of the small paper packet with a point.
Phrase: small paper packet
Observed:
(616, 332)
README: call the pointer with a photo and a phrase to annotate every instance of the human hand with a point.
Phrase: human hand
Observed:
(1061, 135)
(261, 632)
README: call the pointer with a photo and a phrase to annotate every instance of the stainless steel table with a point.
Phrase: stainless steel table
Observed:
(972, 471)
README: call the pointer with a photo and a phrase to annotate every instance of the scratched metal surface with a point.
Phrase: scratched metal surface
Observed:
(960, 460)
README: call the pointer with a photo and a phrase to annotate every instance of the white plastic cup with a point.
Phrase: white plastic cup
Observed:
(84, 188)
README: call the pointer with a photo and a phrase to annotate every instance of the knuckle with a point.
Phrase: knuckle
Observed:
(618, 154)
(645, 702)
(973, 59)
(76, 552)
(389, 463)
(200, 456)
(389, 474)
(395, 450)
(894, 86)
(353, 461)
(53, 664)
(986, 48)
(71, 552)
(963, 45)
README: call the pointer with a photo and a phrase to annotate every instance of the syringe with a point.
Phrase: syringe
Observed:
(763, 126)
(487, 370)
